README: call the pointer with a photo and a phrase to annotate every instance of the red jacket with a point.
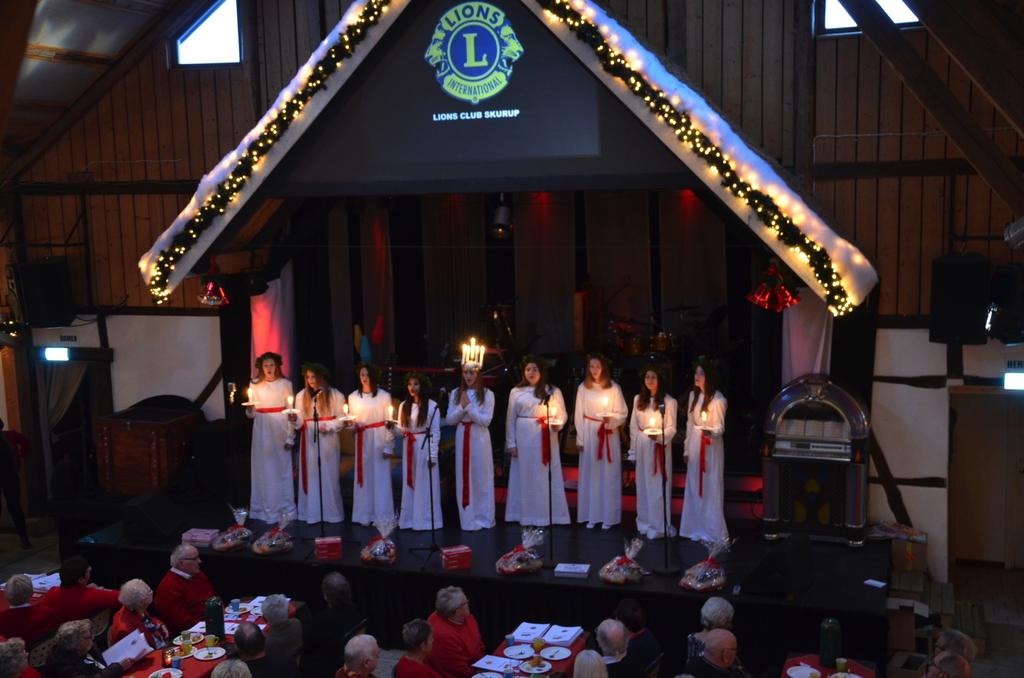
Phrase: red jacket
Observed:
(125, 621)
(407, 668)
(28, 623)
(181, 602)
(456, 646)
(78, 602)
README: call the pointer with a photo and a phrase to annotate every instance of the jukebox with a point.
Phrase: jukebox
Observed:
(815, 463)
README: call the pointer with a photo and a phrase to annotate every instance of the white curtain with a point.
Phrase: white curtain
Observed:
(58, 384)
(273, 322)
(806, 337)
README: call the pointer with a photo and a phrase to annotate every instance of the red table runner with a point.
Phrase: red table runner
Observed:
(814, 661)
(561, 666)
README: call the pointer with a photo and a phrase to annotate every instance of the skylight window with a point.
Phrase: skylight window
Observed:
(838, 19)
(213, 38)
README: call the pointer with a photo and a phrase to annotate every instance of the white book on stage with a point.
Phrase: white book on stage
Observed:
(527, 631)
(129, 647)
(573, 570)
(491, 663)
(563, 636)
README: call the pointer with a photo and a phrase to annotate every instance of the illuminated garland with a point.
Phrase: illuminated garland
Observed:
(617, 64)
(234, 182)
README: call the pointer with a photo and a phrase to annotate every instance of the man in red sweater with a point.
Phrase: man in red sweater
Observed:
(22, 619)
(182, 593)
(457, 641)
(76, 598)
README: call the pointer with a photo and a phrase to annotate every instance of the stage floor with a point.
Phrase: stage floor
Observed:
(767, 625)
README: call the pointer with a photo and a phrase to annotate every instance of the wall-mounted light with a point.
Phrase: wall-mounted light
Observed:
(1013, 381)
(501, 225)
(56, 354)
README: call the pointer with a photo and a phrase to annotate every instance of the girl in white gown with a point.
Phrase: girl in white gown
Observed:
(600, 411)
(330, 405)
(416, 415)
(703, 516)
(470, 410)
(536, 412)
(652, 408)
(374, 449)
(271, 461)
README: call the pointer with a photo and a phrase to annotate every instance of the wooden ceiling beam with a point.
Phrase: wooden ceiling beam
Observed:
(60, 55)
(1000, 74)
(977, 146)
(15, 23)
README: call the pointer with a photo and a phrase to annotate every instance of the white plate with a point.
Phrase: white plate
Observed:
(801, 671)
(543, 667)
(556, 653)
(196, 638)
(487, 674)
(166, 673)
(518, 652)
(208, 654)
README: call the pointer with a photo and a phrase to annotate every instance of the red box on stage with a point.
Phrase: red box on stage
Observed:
(457, 557)
(328, 548)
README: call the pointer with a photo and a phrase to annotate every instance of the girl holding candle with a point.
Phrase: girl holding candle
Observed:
(600, 411)
(271, 461)
(650, 434)
(330, 405)
(416, 416)
(371, 490)
(536, 412)
(703, 516)
(470, 409)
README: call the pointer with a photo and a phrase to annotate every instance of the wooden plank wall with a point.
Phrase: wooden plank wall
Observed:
(160, 124)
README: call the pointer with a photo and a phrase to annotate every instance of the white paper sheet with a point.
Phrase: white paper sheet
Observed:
(527, 631)
(129, 647)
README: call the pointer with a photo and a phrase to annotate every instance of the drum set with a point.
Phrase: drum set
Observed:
(633, 338)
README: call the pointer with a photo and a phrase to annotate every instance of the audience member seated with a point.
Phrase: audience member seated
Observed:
(948, 665)
(613, 642)
(14, 660)
(717, 613)
(76, 598)
(324, 648)
(457, 641)
(136, 597)
(284, 637)
(182, 593)
(232, 668)
(957, 642)
(589, 664)
(642, 647)
(23, 619)
(361, 656)
(418, 639)
(73, 655)
(718, 659)
(251, 646)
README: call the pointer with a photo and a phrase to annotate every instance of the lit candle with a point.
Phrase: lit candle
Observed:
(291, 401)
(552, 411)
(391, 412)
(703, 418)
(248, 394)
(344, 408)
(465, 354)
(604, 404)
(652, 421)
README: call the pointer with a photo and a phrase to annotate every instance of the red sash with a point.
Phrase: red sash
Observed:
(302, 453)
(545, 440)
(359, 449)
(659, 459)
(604, 439)
(466, 438)
(410, 452)
(269, 410)
(705, 440)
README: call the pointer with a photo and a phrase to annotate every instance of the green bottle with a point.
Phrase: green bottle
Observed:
(830, 642)
(215, 617)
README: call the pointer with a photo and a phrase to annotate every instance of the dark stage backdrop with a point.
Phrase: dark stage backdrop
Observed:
(618, 251)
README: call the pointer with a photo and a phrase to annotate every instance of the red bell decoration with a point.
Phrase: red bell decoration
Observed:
(213, 294)
(772, 294)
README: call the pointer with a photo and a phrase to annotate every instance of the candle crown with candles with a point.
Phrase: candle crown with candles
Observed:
(473, 353)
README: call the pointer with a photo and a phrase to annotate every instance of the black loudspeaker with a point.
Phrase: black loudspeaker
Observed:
(960, 297)
(42, 289)
(785, 570)
(152, 518)
(1008, 302)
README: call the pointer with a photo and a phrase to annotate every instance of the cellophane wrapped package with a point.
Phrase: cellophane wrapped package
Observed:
(275, 540)
(624, 569)
(708, 574)
(381, 550)
(525, 557)
(237, 536)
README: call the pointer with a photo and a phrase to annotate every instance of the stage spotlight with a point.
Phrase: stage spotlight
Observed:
(1014, 233)
(501, 225)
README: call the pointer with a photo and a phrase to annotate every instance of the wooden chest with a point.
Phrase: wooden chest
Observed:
(140, 449)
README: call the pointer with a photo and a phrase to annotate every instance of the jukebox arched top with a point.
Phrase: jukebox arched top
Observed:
(811, 406)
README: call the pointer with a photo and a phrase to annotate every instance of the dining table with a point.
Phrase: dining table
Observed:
(562, 667)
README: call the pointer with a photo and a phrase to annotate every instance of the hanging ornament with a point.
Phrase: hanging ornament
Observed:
(213, 294)
(772, 294)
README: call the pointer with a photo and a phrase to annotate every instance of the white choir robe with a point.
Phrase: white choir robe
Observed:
(703, 517)
(415, 510)
(270, 462)
(653, 478)
(329, 413)
(527, 499)
(599, 498)
(476, 507)
(372, 498)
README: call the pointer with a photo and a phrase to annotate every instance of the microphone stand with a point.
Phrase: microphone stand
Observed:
(319, 472)
(427, 440)
(551, 462)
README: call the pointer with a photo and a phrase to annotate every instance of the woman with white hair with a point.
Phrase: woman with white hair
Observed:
(136, 597)
(284, 637)
(232, 668)
(717, 613)
(72, 655)
(23, 619)
(14, 659)
(589, 664)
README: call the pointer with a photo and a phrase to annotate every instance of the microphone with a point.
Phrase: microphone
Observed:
(548, 392)
(661, 407)
(314, 392)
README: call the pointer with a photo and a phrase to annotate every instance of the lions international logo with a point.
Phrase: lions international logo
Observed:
(472, 51)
